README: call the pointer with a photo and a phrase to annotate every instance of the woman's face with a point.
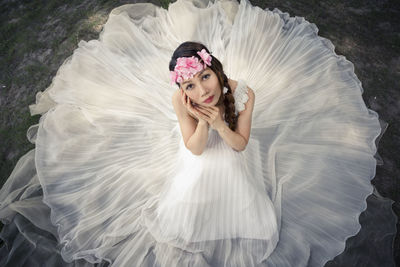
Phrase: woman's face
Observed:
(202, 86)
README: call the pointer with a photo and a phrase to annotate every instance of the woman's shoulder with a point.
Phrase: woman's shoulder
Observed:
(233, 84)
(244, 98)
(177, 102)
(176, 95)
(175, 98)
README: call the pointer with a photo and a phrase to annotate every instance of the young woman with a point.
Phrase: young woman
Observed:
(205, 91)
(260, 152)
(215, 202)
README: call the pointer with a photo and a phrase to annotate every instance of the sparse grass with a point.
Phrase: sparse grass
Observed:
(20, 67)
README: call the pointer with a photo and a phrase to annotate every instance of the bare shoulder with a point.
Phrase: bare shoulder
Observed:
(179, 108)
(249, 105)
(233, 84)
(176, 101)
(175, 96)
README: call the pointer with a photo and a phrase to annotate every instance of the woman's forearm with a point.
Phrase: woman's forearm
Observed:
(233, 139)
(197, 142)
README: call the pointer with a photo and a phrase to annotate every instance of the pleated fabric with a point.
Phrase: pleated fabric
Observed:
(110, 181)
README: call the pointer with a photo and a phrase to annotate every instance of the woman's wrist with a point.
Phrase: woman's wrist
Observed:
(222, 128)
(203, 123)
(233, 139)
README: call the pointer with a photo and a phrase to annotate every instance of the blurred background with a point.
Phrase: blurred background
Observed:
(37, 36)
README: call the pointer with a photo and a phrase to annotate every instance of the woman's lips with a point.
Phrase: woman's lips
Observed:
(208, 100)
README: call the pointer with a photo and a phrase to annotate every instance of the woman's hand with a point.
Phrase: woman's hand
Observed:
(191, 109)
(212, 115)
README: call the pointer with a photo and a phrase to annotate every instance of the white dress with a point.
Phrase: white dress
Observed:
(111, 182)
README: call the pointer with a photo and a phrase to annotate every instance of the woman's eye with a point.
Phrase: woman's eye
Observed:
(190, 86)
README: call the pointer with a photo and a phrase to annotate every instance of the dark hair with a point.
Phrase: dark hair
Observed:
(188, 49)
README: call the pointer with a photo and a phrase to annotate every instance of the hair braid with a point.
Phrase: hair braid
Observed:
(229, 103)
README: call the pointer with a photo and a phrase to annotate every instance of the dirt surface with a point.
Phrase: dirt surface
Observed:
(37, 36)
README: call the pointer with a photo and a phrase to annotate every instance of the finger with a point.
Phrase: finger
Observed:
(202, 116)
(214, 108)
(200, 112)
(190, 103)
(183, 98)
(190, 107)
(211, 108)
(209, 112)
(204, 110)
(187, 100)
(183, 101)
(207, 107)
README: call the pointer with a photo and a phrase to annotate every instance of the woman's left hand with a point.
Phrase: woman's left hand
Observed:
(213, 116)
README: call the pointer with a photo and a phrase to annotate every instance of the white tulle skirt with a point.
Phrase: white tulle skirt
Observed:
(110, 182)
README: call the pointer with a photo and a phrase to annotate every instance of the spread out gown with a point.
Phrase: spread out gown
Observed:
(110, 181)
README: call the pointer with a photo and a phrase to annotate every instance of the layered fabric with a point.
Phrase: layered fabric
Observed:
(111, 183)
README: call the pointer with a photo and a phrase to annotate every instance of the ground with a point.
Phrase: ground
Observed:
(37, 36)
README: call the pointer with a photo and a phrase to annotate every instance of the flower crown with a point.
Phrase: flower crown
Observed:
(187, 67)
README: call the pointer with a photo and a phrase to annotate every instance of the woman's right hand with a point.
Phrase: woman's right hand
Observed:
(191, 109)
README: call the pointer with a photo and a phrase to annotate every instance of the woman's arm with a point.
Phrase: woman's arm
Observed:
(239, 138)
(197, 142)
(194, 134)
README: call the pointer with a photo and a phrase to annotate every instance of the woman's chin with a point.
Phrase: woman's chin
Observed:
(207, 104)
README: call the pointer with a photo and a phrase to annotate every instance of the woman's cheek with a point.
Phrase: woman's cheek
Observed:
(192, 97)
(195, 98)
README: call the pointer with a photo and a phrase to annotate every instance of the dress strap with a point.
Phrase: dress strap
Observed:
(240, 96)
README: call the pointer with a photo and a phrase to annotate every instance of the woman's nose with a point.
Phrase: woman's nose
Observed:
(203, 91)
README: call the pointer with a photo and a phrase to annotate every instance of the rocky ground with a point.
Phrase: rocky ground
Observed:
(37, 36)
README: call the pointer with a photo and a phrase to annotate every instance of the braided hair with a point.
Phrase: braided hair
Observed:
(189, 49)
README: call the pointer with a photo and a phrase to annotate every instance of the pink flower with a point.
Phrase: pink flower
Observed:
(187, 67)
(205, 56)
(173, 76)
